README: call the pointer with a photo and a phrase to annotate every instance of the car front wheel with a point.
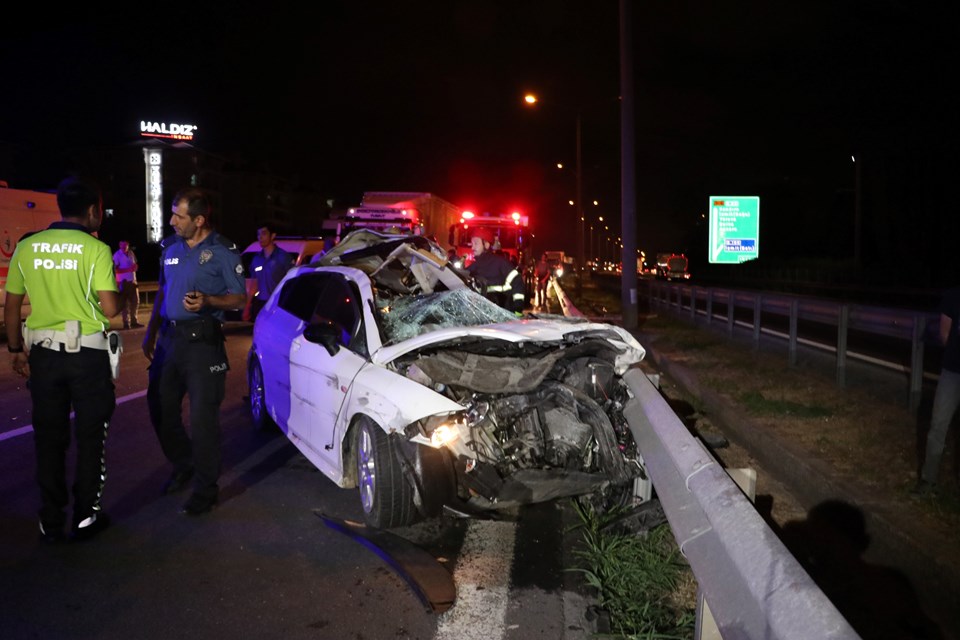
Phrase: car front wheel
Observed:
(385, 495)
(258, 398)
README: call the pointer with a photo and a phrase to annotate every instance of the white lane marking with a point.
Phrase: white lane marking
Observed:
(7, 435)
(482, 577)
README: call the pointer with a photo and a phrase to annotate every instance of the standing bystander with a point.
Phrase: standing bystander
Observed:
(542, 274)
(64, 352)
(125, 266)
(268, 267)
(200, 277)
(946, 399)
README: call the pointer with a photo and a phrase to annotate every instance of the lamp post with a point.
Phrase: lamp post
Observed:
(531, 100)
(581, 262)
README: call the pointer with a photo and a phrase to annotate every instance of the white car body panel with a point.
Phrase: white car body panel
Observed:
(520, 331)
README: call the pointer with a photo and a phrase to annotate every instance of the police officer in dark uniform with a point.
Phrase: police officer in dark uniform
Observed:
(200, 277)
(69, 277)
(498, 277)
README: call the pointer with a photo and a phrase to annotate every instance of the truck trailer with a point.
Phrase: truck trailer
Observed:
(430, 214)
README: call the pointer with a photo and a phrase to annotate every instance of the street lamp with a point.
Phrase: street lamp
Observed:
(532, 100)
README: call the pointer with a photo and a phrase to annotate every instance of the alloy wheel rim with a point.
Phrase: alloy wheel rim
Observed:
(256, 393)
(366, 469)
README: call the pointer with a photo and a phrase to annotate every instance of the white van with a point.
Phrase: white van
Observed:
(304, 248)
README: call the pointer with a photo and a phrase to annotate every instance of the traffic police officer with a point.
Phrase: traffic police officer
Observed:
(63, 351)
(200, 277)
(498, 277)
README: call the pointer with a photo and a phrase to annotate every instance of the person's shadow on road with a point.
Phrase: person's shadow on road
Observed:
(879, 602)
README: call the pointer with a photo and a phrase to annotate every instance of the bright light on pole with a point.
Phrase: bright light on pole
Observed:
(530, 99)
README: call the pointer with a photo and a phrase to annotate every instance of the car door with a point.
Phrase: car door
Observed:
(278, 325)
(319, 379)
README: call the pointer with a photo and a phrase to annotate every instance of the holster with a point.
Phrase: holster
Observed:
(115, 350)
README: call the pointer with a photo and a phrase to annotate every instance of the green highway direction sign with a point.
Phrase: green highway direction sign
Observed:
(734, 229)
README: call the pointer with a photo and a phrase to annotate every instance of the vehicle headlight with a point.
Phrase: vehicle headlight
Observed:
(445, 434)
(559, 272)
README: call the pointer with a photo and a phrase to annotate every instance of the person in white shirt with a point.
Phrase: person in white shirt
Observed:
(125, 266)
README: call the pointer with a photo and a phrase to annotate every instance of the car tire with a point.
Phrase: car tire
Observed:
(385, 495)
(257, 395)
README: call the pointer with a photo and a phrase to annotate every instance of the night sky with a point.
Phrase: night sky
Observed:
(733, 98)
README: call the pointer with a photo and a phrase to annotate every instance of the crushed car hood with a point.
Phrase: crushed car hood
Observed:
(547, 332)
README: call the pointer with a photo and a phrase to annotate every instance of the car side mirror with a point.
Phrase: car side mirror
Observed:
(325, 332)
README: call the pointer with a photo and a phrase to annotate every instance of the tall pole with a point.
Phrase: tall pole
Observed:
(628, 191)
(581, 262)
(856, 212)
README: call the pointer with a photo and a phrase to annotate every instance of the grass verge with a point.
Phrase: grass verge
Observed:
(641, 581)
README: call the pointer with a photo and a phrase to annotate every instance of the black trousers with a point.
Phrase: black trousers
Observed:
(60, 381)
(199, 371)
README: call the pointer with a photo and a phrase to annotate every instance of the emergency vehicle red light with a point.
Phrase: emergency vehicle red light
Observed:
(515, 216)
(466, 215)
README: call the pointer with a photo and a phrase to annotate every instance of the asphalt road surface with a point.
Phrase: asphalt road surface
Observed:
(263, 564)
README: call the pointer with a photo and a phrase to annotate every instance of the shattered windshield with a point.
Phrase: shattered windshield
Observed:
(404, 317)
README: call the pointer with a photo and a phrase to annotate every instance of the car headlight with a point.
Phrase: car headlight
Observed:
(444, 435)
(436, 431)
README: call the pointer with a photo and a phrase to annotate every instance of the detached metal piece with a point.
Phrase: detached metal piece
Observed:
(429, 579)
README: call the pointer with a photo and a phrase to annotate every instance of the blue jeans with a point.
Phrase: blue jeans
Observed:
(945, 403)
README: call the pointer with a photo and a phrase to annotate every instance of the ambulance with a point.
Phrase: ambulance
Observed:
(21, 211)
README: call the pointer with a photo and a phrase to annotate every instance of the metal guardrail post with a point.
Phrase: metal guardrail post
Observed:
(916, 362)
(693, 304)
(757, 303)
(709, 306)
(792, 349)
(731, 308)
(843, 325)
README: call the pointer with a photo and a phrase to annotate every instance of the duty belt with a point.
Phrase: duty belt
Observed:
(58, 340)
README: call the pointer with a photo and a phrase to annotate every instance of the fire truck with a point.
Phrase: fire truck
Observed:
(510, 235)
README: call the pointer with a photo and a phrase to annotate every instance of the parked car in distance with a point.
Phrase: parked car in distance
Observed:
(391, 374)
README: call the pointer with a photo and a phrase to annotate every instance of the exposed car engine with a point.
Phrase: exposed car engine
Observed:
(554, 427)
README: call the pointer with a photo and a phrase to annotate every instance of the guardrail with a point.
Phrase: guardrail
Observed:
(753, 587)
(915, 327)
(752, 584)
(147, 291)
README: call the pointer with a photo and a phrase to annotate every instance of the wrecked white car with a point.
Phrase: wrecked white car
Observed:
(391, 374)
